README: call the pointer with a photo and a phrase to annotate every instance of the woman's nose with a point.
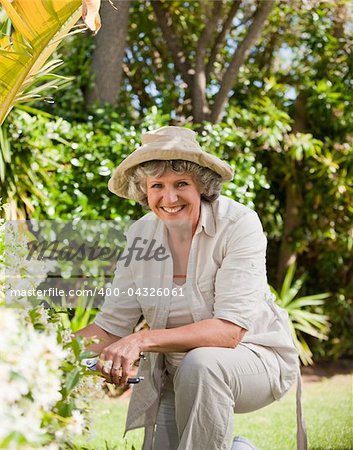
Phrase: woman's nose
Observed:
(170, 196)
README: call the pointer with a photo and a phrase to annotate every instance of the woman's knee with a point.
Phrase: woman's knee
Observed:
(199, 383)
(196, 365)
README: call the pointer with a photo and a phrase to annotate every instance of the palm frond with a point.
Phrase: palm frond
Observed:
(310, 330)
(304, 313)
(305, 354)
(39, 27)
(310, 300)
(287, 280)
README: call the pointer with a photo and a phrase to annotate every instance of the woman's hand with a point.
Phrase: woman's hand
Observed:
(116, 359)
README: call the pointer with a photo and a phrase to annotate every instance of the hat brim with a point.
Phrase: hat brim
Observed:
(170, 150)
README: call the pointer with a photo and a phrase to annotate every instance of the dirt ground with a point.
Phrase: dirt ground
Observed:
(317, 372)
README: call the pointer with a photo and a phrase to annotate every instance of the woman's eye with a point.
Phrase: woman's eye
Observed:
(155, 186)
(182, 183)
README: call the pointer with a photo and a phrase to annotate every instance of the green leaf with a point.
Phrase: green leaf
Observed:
(302, 318)
(72, 379)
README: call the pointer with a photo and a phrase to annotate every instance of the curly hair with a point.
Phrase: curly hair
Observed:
(208, 181)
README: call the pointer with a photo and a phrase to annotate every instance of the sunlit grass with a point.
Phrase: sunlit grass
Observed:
(327, 406)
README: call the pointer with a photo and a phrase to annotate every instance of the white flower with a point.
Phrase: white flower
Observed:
(66, 336)
(90, 387)
(52, 446)
(30, 360)
(76, 426)
(38, 267)
(43, 315)
(30, 370)
(19, 275)
(59, 434)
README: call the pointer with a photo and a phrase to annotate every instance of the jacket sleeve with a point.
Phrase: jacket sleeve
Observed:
(241, 279)
(120, 311)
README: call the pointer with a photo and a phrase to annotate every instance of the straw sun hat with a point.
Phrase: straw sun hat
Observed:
(166, 143)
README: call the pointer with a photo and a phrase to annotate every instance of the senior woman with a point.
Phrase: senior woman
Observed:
(216, 342)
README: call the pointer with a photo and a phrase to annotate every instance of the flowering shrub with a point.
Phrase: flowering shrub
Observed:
(45, 395)
(18, 274)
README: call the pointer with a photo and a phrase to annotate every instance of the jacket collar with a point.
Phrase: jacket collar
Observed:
(206, 221)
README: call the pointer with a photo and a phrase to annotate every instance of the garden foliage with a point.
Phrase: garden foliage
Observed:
(287, 130)
(48, 392)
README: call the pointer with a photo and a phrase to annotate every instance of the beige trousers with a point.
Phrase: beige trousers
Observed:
(197, 404)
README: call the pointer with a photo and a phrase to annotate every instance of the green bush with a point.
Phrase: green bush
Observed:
(63, 169)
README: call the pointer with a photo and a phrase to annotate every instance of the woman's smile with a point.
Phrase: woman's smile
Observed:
(173, 210)
(174, 196)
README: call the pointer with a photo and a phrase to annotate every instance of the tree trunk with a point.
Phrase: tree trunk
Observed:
(292, 219)
(200, 107)
(107, 61)
(287, 254)
(201, 110)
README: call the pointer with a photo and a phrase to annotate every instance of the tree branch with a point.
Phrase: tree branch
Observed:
(165, 23)
(135, 81)
(265, 59)
(220, 38)
(200, 105)
(339, 19)
(238, 58)
(208, 31)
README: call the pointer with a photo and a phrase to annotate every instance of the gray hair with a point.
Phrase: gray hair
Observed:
(208, 181)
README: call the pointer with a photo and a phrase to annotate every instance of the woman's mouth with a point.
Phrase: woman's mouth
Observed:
(173, 210)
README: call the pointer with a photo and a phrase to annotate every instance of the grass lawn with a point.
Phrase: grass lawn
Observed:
(328, 412)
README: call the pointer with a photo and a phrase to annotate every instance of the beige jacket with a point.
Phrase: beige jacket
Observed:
(226, 279)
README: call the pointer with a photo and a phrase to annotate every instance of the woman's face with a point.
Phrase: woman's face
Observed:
(174, 197)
